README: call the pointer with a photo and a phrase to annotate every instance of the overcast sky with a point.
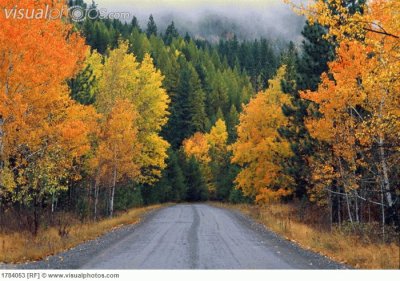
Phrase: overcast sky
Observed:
(250, 18)
(189, 3)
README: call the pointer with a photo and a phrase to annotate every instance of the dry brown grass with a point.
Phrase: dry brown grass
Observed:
(22, 247)
(335, 244)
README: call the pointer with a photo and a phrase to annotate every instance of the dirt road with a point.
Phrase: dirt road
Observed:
(187, 236)
(203, 237)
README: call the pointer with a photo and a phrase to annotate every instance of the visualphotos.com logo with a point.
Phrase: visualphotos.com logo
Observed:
(75, 13)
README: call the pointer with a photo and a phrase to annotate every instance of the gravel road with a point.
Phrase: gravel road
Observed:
(188, 236)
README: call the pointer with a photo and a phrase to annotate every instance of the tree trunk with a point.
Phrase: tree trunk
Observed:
(1, 145)
(36, 216)
(96, 195)
(383, 215)
(330, 210)
(339, 211)
(53, 200)
(1, 214)
(96, 200)
(113, 191)
(349, 210)
(357, 209)
(335, 201)
(385, 169)
(385, 172)
(369, 212)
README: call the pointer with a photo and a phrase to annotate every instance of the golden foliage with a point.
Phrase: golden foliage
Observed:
(359, 97)
(259, 149)
(118, 144)
(198, 147)
(209, 149)
(41, 128)
(122, 77)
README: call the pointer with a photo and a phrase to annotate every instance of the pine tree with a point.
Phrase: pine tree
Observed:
(316, 53)
(295, 132)
(171, 84)
(197, 188)
(232, 122)
(268, 63)
(139, 44)
(176, 178)
(135, 25)
(188, 111)
(102, 37)
(82, 86)
(170, 34)
(195, 99)
(151, 27)
(187, 37)
(218, 98)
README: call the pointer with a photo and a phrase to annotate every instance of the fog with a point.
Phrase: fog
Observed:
(212, 20)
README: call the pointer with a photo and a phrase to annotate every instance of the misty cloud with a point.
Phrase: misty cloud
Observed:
(254, 19)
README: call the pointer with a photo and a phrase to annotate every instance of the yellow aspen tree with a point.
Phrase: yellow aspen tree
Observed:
(197, 146)
(209, 150)
(122, 77)
(118, 147)
(218, 138)
(359, 97)
(260, 150)
(359, 108)
(151, 101)
(218, 153)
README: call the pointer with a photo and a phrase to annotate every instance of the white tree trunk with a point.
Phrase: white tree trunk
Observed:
(96, 196)
(385, 173)
(383, 214)
(382, 156)
(113, 191)
(349, 210)
(357, 209)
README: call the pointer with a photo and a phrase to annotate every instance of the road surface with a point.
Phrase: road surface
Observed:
(202, 237)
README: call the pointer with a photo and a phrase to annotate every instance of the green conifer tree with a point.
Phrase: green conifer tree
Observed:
(151, 27)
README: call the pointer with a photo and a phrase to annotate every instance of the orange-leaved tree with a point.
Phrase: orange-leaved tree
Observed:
(358, 100)
(43, 133)
(197, 146)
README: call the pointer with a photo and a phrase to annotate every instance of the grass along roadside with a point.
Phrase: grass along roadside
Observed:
(336, 245)
(23, 247)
